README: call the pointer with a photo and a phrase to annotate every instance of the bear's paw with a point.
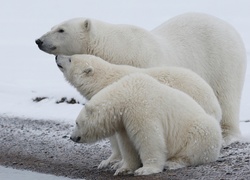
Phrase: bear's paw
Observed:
(123, 171)
(147, 171)
(174, 165)
(117, 165)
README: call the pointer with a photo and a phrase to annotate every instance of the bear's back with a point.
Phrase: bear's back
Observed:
(141, 89)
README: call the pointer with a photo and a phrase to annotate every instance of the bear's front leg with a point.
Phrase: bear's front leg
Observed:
(116, 153)
(130, 158)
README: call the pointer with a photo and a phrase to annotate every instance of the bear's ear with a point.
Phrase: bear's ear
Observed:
(89, 70)
(88, 108)
(86, 24)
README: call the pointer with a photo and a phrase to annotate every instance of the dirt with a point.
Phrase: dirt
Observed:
(44, 146)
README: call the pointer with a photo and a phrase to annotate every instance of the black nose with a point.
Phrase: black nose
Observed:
(78, 139)
(56, 57)
(39, 42)
(75, 139)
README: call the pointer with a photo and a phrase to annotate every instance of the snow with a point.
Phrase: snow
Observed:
(27, 73)
(14, 174)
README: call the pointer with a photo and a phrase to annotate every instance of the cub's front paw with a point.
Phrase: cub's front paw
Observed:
(123, 171)
(104, 164)
(117, 165)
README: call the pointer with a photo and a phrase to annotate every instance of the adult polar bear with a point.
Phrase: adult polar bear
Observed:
(205, 44)
(160, 124)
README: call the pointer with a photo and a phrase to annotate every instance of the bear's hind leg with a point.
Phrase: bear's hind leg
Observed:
(150, 142)
(229, 99)
(230, 122)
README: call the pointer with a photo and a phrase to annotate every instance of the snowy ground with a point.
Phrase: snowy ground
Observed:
(27, 73)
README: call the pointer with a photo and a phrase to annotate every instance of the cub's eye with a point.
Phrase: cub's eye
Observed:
(77, 124)
(60, 30)
(70, 60)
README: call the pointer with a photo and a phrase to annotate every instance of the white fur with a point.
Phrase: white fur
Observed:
(90, 74)
(205, 44)
(155, 123)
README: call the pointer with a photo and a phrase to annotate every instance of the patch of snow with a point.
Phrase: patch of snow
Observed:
(14, 174)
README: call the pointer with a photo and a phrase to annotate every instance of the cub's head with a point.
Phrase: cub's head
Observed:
(87, 73)
(68, 38)
(84, 131)
(78, 134)
(77, 69)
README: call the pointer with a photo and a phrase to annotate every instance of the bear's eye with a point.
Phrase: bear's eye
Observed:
(70, 60)
(60, 30)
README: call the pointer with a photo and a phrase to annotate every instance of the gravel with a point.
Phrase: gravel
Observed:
(44, 146)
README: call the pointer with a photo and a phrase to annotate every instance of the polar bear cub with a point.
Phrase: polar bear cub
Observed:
(90, 74)
(163, 124)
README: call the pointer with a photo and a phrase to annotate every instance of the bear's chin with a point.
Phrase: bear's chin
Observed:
(49, 50)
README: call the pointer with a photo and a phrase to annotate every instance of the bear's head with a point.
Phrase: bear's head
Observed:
(68, 38)
(84, 131)
(76, 69)
(78, 134)
(85, 72)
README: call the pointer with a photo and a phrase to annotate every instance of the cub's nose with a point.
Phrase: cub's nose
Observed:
(39, 42)
(78, 139)
(75, 139)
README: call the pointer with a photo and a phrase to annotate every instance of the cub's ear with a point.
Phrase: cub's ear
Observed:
(86, 24)
(89, 70)
(88, 108)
